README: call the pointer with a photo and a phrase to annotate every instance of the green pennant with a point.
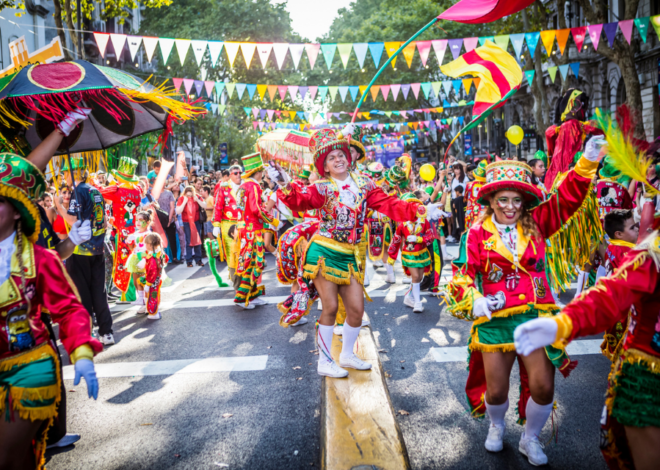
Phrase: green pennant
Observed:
(552, 71)
(323, 91)
(530, 76)
(230, 89)
(502, 41)
(221, 109)
(655, 21)
(642, 27)
(449, 120)
(483, 40)
(333, 91)
(396, 113)
(388, 113)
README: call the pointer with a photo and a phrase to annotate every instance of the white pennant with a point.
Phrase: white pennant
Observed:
(149, 46)
(264, 52)
(296, 53)
(166, 46)
(118, 41)
(133, 45)
(280, 50)
(248, 49)
(199, 49)
(182, 46)
(102, 42)
(215, 47)
(232, 49)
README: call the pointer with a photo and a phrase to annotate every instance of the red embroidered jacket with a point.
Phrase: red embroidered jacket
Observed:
(611, 195)
(524, 284)
(249, 202)
(616, 253)
(424, 238)
(636, 283)
(340, 222)
(48, 288)
(473, 209)
(225, 204)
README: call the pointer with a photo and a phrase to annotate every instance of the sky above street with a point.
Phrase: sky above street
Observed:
(313, 18)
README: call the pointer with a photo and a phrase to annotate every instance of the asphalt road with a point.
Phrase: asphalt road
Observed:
(214, 386)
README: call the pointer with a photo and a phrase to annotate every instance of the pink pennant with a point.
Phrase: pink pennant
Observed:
(261, 125)
(312, 53)
(187, 84)
(255, 124)
(208, 85)
(255, 112)
(177, 83)
(594, 34)
(439, 46)
(424, 48)
(102, 42)
(426, 123)
(415, 89)
(404, 114)
(626, 28)
(293, 91)
(282, 91)
(418, 110)
(470, 43)
(395, 91)
(312, 91)
(278, 113)
(270, 113)
(386, 91)
(579, 34)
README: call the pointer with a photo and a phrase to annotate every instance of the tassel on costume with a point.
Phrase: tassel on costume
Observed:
(212, 264)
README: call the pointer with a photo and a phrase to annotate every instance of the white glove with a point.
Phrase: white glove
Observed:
(534, 334)
(80, 232)
(496, 302)
(348, 130)
(217, 232)
(72, 120)
(411, 238)
(592, 149)
(433, 212)
(275, 175)
(142, 263)
(481, 308)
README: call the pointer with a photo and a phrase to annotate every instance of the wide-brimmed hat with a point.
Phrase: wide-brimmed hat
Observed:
(304, 173)
(395, 176)
(375, 170)
(324, 141)
(22, 183)
(510, 175)
(252, 163)
(410, 197)
(480, 171)
(125, 172)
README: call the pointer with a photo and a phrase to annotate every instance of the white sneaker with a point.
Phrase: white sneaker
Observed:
(338, 330)
(155, 316)
(301, 322)
(249, 306)
(448, 258)
(390, 279)
(353, 362)
(138, 301)
(331, 369)
(365, 322)
(451, 239)
(142, 310)
(378, 263)
(406, 280)
(68, 440)
(258, 301)
(418, 307)
(533, 450)
(494, 439)
(409, 301)
(107, 339)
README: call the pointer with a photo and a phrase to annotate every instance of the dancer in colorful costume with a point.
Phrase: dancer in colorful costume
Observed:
(380, 232)
(332, 260)
(500, 282)
(124, 194)
(631, 426)
(250, 250)
(33, 280)
(413, 238)
(473, 209)
(396, 180)
(154, 263)
(225, 215)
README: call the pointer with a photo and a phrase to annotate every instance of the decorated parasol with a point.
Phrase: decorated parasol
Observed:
(286, 146)
(36, 98)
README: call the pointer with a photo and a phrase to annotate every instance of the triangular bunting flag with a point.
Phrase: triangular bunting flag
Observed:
(188, 84)
(354, 92)
(530, 76)
(323, 91)
(563, 70)
(333, 92)
(424, 48)
(261, 89)
(502, 41)
(166, 46)
(436, 88)
(149, 46)
(517, 40)
(395, 91)
(376, 50)
(455, 46)
(248, 48)
(272, 91)
(312, 53)
(118, 41)
(296, 53)
(263, 49)
(182, 46)
(532, 40)
(199, 86)
(548, 40)
(231, 48)
(579, 34)
(177, 84)
(409, 52)
(361, 52)
(219, 87)
(575, 67)
(405, 89)
(374, 92)
(562, 39)
(328, 51)
(230, 89)
(552, 71)
(240, 89)
(415, 88)
(342, 92)
(282, 89)
(221, 109)
(426, 89)
(391, 48)
(594, 34)
(133, 45)
(247, 110)
(626, 28)
(251, 88)
(199, 49)
(467, 83)
(457, 85)
(470, 43)
(439, 46)
(610, 32)
(385, 90)
(483, 39)
(446, 85)
(215, 47)
(208, 85)
(293, 91)
(642, 27)
(280, 50)
(344, 53)
(102, 42)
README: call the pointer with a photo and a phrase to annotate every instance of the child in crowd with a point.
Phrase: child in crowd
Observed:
(135, 242)
(458, 209)
(154, 263)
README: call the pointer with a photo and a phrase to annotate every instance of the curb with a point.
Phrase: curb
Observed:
(358, 425)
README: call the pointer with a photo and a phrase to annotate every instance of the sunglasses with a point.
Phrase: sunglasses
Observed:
(236, 172)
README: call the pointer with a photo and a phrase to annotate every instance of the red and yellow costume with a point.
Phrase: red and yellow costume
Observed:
(153, 271)
(413, 254)
(611, 195)
(473, 209)
(517, 282)
(632, 398)
(225, 214)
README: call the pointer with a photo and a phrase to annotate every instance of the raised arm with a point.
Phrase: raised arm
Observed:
(393, 207)
(300, 198)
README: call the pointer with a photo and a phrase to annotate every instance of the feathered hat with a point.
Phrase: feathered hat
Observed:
(510, 175)
(324, 141)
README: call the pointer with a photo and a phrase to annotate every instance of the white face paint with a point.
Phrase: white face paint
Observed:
(507, 206)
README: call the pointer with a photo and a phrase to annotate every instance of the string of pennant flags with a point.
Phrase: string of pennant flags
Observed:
(375, 49)
(431, 124)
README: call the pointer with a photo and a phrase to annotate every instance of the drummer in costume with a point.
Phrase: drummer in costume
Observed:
(250, 237)
(505, 250)
(332, 260)
(380, 234)
(33, 280)
(124, 194)
(225, 215)
(473, 209)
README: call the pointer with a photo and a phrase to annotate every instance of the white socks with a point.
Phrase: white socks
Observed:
(325, 342)
(415, 291)
(390, 269)
(496, 413)
(444, 251)
(349, 337)
(537, 415)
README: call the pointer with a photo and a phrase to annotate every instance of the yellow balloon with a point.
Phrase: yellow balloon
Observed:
(427, 172)
(515, 134)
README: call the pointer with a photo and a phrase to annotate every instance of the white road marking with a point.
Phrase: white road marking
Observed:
(184, 366)
(178, 276)
(460, 353)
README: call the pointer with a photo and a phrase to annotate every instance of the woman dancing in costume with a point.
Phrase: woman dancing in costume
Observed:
(332, 260)
(505, 249)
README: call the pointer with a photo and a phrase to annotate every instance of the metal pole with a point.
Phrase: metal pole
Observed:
(79, 32)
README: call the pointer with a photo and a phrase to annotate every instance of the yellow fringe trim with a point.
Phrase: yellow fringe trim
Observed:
(330, 274)
(7, 115)
(164, 97)
(545, 310)
(491, 348)
(635, 356)
(20, 196)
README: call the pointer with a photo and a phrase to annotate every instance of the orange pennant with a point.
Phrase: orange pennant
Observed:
(374, 91)
(409, 52)
(548, 39)
(272, 89)
(476, 81)
(562, 39)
